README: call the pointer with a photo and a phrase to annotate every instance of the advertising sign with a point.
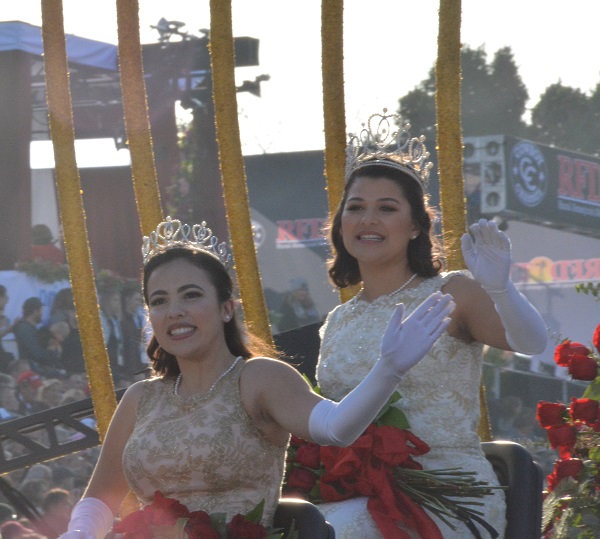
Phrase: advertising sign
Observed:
(535, 183)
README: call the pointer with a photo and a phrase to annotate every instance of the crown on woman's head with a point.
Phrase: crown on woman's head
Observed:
(173, 233)
(380, 143)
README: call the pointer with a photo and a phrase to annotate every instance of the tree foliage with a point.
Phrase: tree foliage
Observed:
(567, 118)
(494, 99)
(493, 96)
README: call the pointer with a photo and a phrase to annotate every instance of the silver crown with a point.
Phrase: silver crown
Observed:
(379, 142)
(173, 233)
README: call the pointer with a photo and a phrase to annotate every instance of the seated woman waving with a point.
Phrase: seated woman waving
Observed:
(210, 428)
(382, 237)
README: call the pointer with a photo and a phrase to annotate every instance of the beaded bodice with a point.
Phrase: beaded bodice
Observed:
(202, 450)
(440, 394)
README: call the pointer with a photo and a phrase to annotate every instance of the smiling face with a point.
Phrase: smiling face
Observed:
(185, 313)
(377, 222)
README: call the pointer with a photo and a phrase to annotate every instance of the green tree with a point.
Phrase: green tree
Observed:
(493, 96)
(567, 118)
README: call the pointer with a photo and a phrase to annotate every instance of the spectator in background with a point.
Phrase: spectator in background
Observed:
(5, 328)
(298, 308)
(72, 395)
(79, 381)
(28, 384)
(56, 511)
(63, 478)
(43, 248)
(63, 312)
(9, 404)
(7, 513)
(16, 530)
(62, 306)
(135, 360)
(43, 360)
(18, 367)
(110, 316)
(39, 471)
(51, 392)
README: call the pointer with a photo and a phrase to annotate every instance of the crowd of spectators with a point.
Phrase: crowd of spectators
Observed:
(45, 369)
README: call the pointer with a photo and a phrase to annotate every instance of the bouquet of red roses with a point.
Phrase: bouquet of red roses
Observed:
(572, 499)
(166, 518)
(380, 466)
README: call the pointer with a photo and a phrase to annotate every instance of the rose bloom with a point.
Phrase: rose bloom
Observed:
(564, 468)
(302, 479)
(308, 455)
(583, 368)
(200, 525)
(296, 442)
(562, 437)
(596, 338)
(243, 528)
(564, 351)
(550, 414)
(584, 410)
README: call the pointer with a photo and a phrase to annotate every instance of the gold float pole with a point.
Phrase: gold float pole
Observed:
(450, 151)
(72, 214)
(334, 110)
(233, 174)
(137, 122)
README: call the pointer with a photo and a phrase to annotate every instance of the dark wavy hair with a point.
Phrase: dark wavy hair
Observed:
(424, 256)
(239, 341)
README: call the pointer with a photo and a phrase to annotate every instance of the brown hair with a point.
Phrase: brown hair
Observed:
(239, 341)
(424, 257)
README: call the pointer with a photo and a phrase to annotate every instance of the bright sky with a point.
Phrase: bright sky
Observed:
(390, 46)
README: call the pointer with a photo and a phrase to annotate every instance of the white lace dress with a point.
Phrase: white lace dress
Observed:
(439, 395)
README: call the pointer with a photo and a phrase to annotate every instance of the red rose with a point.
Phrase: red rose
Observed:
(308, 455)
(564, 351)
(302, 479)
(134, 525)
(584, 410)
(242, 528)
(166, 511)
(296, 442)
(596, 338)
(550, 414)
(161, 512)
(583, 368)
(562, 437)
(199, 526)
(564, 468)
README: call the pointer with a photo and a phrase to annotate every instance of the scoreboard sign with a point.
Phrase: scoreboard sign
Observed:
(531, 182)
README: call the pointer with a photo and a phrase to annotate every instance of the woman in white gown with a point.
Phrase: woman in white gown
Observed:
(381, 236)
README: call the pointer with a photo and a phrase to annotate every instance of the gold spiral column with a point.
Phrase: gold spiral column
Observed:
(334, 109)
(450, 151)
(137, 122)
(72, 214)
(233, 174)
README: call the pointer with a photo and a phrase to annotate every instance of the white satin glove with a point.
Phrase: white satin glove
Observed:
(76, 535)
(91, 518)
(487, 255)
(403, 344)
(489, 260)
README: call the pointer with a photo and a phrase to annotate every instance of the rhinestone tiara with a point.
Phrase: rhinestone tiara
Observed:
(173, 233)
(385, 140)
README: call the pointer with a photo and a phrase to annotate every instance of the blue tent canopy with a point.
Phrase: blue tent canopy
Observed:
(15, 35)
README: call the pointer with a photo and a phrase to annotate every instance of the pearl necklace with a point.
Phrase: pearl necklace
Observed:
(354, 300)
(178, 380)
